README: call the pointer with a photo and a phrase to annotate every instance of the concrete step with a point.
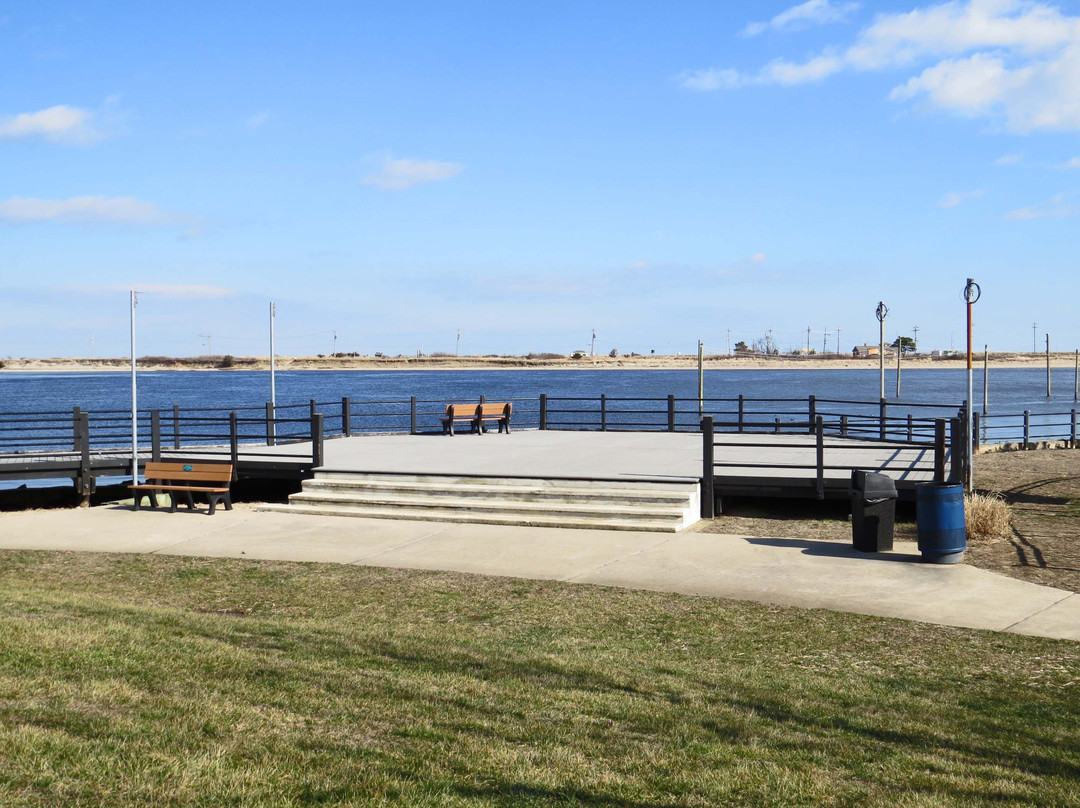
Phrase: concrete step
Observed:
(429, 514)
(523, 493)
(588, 509)
(555, 502)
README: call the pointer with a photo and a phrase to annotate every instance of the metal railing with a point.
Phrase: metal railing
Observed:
(944, 462)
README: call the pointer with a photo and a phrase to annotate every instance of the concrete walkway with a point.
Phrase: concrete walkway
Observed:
(791, 572)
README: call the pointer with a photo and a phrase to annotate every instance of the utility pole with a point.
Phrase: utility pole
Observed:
(824, 342)
(838, 340)
(209, 344)
(916, 330)
(729, 342)
(91, 346)
(1048, 366)
(457, 345)
(335, 343)
(1034, 344)
(592, 345)
(808, 340)
(899, 354)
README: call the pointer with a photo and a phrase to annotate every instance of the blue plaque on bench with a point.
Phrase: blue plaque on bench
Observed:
(188, 467)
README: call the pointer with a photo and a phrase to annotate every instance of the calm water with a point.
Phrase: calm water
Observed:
(1011, 390)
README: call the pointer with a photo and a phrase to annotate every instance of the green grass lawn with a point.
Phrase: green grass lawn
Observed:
(157, 681)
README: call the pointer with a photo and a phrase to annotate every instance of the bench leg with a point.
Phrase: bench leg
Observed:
(214, 499)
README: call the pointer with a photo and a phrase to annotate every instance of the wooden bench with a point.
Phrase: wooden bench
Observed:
(185, 479)
(475, 415)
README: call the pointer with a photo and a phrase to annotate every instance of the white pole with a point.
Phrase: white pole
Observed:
(899, 354)
(273, 311)
(700, 378)
(134, 399)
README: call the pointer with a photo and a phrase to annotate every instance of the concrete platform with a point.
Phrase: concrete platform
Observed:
(808, 574)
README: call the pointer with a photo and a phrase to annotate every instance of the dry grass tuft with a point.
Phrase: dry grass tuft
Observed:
(987, 515)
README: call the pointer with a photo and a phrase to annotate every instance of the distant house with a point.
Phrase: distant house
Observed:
(866, 350)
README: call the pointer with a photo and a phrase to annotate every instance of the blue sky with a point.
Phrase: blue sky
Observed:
(393, 172)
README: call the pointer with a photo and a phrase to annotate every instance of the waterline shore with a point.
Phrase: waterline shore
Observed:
(682, 362)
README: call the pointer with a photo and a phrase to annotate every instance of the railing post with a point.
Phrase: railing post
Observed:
(843, 425)
(776, 428)
(270, 425)
(813, 413)
(543, 410)
(975, 430)
(234, 442)
(708, 470)
(819, 435)
(316, 440)
(1072, 429)
(155, 435)
(603, 412)
(176, 426)
(939, 450)
(882, 414)
(312, 407)
(670, 413)
(1027, 428)
(84, 483)
(75, 427)
(346, 417)
(910, 428)
(742, 410)
(958, 468)
(412, 415)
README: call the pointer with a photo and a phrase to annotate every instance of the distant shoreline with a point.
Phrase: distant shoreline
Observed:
(685, 362)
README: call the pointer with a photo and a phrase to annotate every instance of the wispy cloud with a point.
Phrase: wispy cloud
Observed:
(805, 15)
(59, 124)
(956, 198)
(1057, 207)
(88, 210)
(399, 175)
(1009, 159)
(258, 120)
(1070, 164)
(1017, 60)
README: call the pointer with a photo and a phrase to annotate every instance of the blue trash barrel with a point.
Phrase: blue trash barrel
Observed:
(939, 517)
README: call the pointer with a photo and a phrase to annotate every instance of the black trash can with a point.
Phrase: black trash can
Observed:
(873, 511)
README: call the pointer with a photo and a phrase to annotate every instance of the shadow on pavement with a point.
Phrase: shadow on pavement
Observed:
(834, 549)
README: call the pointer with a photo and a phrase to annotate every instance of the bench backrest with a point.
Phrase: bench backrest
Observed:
(485, 410)
(200, 472)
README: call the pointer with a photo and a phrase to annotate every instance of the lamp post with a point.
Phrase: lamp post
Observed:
(134, 399)
(273, 392)
(972, 293)
(882, 312)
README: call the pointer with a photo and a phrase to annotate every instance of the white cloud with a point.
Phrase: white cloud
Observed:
(1009, 159)
(1054, 208)
(1018, 60)
(398, 175)
(86, 210)
(955, 198)
(757, 258)
(59, 124)
(258, 120)
(805, 15)
(1068, 164)
(711, 79)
